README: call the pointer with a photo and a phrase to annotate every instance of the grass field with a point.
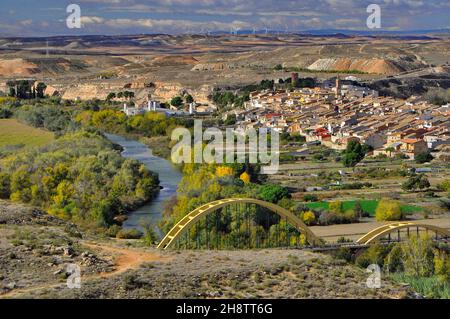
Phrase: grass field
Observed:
(369, 206)
(13, 132)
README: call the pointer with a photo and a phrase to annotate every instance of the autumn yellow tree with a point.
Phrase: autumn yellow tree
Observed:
(388, 210)
(308, 217)
(245, 177)
(222, 171)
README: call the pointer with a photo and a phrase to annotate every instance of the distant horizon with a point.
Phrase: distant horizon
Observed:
(314, 32)
(26, 18)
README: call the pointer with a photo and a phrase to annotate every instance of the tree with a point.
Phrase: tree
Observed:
(111, 96)
(273, 193)
(222, 171)
(416, 181)
(388, 210)
(5, 185)
(309, 217)
(189, 99)
(353, 154)
(335, 207)
(177, 101)
(424, 158)
(245, 177)
(278, 67)
(390, 149)
(418, 256)
(40, 90)
(150, 235)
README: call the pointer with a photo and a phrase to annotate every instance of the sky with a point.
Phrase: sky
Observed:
(112, 17)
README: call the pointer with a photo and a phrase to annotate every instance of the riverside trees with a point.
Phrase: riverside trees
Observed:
(78, 177)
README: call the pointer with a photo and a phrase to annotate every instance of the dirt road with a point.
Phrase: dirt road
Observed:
(124, 259)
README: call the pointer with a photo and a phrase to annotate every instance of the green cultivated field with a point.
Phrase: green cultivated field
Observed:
(369, 206)
(13, 132)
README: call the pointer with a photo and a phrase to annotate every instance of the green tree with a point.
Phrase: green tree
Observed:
(273, 193)
(353, 154)
(111, 96)
(150, 235)
(177, 101)
(40, 90)
(418, 256)
(416, 181)
(189, 99)
(424, 157)
(5, 185)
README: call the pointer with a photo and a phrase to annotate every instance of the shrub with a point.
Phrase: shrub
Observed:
(310, 198)
(375, 254)
(5, 185)
(445, 186)
(113, 230)
(335, 207)
(394, 260)
(442, 265)
(129, 234)
(344, 253)
(416, 182)
(424, 158)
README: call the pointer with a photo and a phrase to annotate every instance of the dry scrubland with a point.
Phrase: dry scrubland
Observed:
(34, 249)
(164, 66)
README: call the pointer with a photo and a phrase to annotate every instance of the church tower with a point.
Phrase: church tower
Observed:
(338, 86)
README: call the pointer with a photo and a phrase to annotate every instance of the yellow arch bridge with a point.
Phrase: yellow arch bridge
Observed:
(185, 228)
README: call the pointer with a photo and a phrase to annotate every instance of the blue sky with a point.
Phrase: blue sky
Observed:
(48, 17)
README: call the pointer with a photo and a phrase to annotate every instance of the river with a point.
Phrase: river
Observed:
(169, 177)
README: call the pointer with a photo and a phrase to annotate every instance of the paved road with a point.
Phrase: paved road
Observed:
(354, 231)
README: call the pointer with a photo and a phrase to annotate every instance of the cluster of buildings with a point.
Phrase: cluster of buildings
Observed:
(155, 106)
(333, 115)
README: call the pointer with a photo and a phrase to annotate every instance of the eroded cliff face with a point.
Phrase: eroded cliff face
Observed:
(377, 66)
(166, 91)
(161, 91)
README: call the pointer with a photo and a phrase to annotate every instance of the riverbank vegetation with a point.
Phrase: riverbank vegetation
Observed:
(78, 177)
(418, 262)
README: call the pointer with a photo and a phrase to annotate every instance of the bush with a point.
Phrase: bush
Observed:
(394, 260)
(375, 254)
(424, 158)
(416, 181)
(5, 185)
(129, 234)
(344, 253)
(5, 113)
(310, 198)
(113, 231)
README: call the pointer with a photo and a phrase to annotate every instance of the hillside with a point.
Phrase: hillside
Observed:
(35, 249)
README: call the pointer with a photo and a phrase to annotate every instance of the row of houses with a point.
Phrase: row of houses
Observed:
(390, 126)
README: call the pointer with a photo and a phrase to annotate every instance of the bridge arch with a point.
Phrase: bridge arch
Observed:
(193, 217)
(378, 233)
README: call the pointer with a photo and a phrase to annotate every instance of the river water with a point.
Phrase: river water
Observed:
(169, 177)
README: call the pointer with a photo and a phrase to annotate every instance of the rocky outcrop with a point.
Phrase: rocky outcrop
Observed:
(214, 66)
(372, 66)
(18, 67)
